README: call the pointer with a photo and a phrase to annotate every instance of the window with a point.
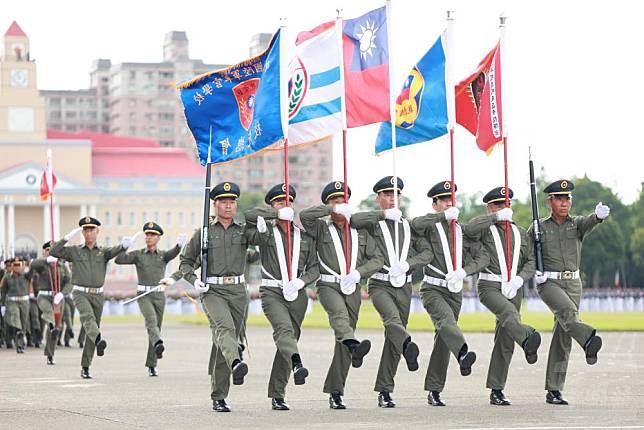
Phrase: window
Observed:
(144, 217)
(70, 101)
(181, 220)
(193, 219)
(168, 218)
(107, 218)
(119, 218)
(156, 217)
(132, 218)
(70, 115)
(108, 241)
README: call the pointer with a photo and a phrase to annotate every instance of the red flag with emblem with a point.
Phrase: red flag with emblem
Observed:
(48, 181)
(478, 102)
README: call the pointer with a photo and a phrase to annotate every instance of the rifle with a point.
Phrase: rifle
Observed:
(536, 230)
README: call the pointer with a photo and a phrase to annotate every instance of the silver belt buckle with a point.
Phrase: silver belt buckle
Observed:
(567, 275)
(229, 280)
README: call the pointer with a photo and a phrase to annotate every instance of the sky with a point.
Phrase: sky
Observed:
(572, 75)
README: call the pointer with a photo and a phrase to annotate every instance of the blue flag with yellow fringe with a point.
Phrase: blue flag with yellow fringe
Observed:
(235, 112)
(421, 107)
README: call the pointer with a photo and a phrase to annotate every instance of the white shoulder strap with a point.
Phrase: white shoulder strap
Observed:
(340, 253)
(501, 255)
(459, 246)
(281, 255)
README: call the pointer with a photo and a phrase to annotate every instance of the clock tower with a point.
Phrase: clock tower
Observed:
(22, 109)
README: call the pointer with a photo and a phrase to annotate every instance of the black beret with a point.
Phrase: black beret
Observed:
(441, 189)
(152, 227)
(46, 245)
(562, 186)
(387, 184)
(88, 221)
(279, 192)
(225, 190)
(334, 189)
(497, 195)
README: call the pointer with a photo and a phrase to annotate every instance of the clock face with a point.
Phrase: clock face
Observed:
(19, 78)
(21, 119)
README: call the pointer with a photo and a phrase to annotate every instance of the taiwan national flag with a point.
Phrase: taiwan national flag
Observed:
(366, 68)
(478, 102)
(48, 180)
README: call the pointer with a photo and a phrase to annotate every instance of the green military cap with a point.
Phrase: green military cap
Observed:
(387, 184)
(497, 195)
(441, 189)
(225, 190)
(152, 227)
(46, 245)
(88, 221)
(334, 189)
(562, 186)
(279, 192)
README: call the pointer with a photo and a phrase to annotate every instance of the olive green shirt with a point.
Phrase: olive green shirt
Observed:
(473, 259)
(44, 273)
(478, 231)
(308, 269)
(226, 251)
(90, 265)
(13, 286)
(369, 260)
(420, 252)
(150, 265)
(561, 244)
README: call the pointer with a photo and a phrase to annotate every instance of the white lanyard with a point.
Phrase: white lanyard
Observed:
(501, 255)
(281, 256)
(389, 243)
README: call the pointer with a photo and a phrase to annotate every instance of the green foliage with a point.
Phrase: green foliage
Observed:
(247, 201)
(369, 204)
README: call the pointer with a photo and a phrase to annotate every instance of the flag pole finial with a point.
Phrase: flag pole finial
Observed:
(502, 19)
(450, 15)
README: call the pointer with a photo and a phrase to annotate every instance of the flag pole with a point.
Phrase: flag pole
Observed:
(284, 112)
(343, 115)
(451, 119)
(206, 214)
(392, 114)
(54, 266)
(508, 258)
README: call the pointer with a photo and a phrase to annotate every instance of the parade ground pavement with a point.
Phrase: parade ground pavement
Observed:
(33, 395)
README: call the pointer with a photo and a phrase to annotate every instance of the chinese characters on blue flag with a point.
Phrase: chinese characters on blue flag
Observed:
(421, 107)
(239, 104)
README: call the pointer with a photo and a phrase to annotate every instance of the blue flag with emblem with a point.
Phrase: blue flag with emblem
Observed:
(421, 107)
(234, 113)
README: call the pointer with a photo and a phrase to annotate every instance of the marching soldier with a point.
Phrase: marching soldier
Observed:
(500, 296)
(68, 312)
(559, 285)
(390, 287)
(150, 263)
(224, 297)
(48, 300)
(441, 291)
(284, 297)
(338, 289)
(88, 276)
(14, 290)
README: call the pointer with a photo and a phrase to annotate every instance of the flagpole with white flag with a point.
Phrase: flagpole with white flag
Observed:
(451, 116)
(392, 113)
(504, 129)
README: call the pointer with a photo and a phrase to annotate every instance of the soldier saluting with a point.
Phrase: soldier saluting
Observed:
(559, 286)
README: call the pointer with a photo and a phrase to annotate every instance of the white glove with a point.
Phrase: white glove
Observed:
(504, 214)
(455, 280)
(58, 297)
(181, 240)
(509, 289)
(51, 259)
(287, 214)
(343, 209)
(167, 281)
(291, 289)
(200, 286)
(348, 282)
(3, 310)
(399, 269)
(25, 270)
(126, 242)
(73, 233)
(261, 225)
(602, 211)
(452, 213)
(540, 278)
(32, 296)
(393, 214)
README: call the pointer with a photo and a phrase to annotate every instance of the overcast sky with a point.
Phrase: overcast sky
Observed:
(573, 74)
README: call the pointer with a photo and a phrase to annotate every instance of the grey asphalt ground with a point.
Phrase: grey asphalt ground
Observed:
(121, 395)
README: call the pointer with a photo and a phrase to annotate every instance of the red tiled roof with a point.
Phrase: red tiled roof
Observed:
(127, 156)
(15, 30)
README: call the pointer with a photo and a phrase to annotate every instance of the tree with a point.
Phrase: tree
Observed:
(369, 204)
(247, 201)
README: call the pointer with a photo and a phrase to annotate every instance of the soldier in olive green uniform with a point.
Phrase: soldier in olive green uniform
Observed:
(34, 333)
(14, 297)
(284, 301)
(224, 297)
(559, 285)
(68, 312)
(441, 291)
(150, 265)
(338, 289)
(88, 276)
(500, 296)
(48, 299)
(390, 287)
